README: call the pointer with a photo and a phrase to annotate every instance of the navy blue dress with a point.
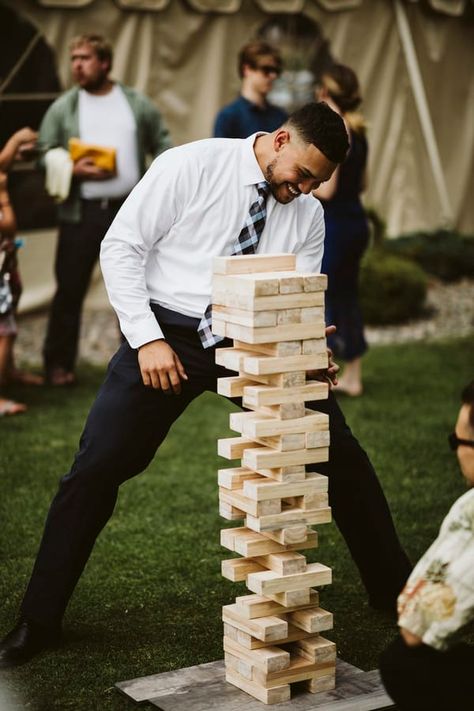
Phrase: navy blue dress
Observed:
(347, 236)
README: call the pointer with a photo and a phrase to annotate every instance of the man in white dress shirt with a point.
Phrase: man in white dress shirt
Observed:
(157, 264)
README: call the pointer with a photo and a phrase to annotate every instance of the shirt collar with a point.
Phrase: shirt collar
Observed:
(250, 171)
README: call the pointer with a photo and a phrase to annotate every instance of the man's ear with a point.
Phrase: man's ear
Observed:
(282, 137)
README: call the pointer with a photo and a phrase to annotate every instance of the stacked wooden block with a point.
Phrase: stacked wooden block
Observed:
(276, 318)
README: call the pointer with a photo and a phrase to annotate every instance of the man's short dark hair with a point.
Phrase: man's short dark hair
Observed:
(251, 52)
(99, 44)
(467, 397)
(318, 124)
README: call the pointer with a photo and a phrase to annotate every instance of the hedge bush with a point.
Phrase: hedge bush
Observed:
(444, 254)
(392, 288)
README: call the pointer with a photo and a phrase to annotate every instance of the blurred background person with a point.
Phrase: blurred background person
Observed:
(100, 113)
(347, 231)
(427, 667)
(259, 64)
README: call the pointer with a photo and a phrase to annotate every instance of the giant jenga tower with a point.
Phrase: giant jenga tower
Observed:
(276, 318)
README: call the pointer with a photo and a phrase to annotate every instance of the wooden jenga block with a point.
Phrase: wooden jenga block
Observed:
(232, 386)
(264, 365)
(266, 629)
(285, 563)
(322, 682)
(300, 669)
(252, 424)
(249, 319)
(250, 642)
(237, 569)
(285, 474)
(234, 477)
(230, 513)
(254, 263)
(285, 411)
(241, 666)
(268, 334)
(250, 543)
(280, 348)
(286, 442)
(289, 535)
(234, 447)
(260, 284)
(275, 695)
(290, 517)
(291, 599)
(265, 458)
(251, 302)
(268, 659)
(251, 606)
(316, 620)
(261, 396)
(316, 649)
(236, 499)
(264, 488)
(270, 582)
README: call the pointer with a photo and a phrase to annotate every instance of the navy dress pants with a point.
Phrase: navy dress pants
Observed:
(126, 425)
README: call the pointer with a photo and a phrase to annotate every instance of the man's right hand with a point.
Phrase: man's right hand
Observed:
(86, 169)
(160, 367)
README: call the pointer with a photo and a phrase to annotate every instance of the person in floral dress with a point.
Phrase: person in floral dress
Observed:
(428, 666)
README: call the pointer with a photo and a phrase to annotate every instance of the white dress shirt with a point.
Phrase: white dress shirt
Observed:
(189, 207)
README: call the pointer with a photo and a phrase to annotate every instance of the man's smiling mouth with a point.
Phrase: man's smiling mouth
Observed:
(293, 191)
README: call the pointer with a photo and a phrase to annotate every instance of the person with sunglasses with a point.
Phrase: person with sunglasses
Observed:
(259, 64)
(426, 667)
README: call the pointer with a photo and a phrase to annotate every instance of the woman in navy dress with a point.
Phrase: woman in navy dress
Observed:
(347, 232)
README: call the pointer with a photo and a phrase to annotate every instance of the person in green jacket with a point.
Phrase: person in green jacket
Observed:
(126, 127)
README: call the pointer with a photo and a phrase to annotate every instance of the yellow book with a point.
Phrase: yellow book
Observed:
(103, 156)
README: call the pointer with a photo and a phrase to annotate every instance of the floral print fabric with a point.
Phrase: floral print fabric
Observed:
(438, 598)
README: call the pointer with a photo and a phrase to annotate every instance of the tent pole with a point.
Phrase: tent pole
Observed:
(421, 102)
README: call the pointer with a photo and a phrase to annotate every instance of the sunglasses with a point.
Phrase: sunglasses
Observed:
(268, 69)
(455, 441)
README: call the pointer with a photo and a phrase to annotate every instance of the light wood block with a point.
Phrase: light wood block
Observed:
(285, 474)
(236, 499)
(290, 517)
(285, 411)
(266, 629)
(270, 582)
(287, 442)
(234, 447)
(263, 488)
(318, 684)
(232, 386)
(252, 424)
(230, 513)
(267, 659)
(251, 606)
(274, 695)
(243, 667)
(239, 317)
(313, 346)
(289, 332)
(281, 348)
(265, 365)
(251, 302)
(250, 543)
(316, 620)
(300, 669)
(260, 284)
(254, 263)
(265, 458)
(290, 535)
(250, 642)
(261, 395)
(316, 649)
(283, 563)
(237, 569)
(234, 477)
(291, 599)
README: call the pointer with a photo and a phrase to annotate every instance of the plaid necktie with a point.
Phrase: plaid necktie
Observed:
(246, 243)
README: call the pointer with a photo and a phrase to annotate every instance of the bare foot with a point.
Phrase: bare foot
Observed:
(347, 388)
(23, 377)
(60, 377)
(10, 407)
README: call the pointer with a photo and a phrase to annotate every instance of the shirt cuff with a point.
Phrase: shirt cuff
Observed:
(147, 330)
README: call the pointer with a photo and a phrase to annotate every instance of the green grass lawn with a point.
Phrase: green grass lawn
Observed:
(151, 595)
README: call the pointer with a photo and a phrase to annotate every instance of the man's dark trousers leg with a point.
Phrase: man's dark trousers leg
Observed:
(76, 255)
